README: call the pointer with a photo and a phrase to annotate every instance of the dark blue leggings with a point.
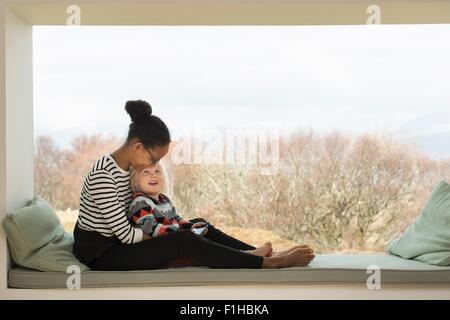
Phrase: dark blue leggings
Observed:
(215, 250)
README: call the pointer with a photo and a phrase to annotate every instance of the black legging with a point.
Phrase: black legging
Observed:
(216, 250)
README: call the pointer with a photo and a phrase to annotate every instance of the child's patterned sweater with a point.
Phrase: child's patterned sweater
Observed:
(155, 217)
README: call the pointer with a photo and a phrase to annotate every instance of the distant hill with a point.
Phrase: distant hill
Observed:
(430, 132)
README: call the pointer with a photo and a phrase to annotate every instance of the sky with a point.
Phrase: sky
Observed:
(354, 79)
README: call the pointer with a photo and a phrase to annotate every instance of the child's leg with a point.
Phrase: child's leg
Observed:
(218, 236)
(157, 252)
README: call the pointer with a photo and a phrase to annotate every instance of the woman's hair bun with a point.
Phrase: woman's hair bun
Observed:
(138, 110)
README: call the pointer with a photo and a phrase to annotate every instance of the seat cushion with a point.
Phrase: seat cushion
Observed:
(326, 268)
(428, 238)
(37, 239)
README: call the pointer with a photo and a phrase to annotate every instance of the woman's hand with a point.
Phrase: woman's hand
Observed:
(200, 225)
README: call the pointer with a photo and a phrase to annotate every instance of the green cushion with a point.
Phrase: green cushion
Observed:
(37, 239)
(428, 238)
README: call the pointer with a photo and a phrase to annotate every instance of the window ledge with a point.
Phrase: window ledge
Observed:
(326, 268)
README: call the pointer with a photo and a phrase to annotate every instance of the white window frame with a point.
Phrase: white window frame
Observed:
(16, 106)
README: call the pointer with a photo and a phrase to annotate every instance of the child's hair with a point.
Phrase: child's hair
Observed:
(133, 182)
(149, 129)
(165, 177)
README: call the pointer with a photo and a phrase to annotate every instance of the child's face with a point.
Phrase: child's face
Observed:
(150, 180)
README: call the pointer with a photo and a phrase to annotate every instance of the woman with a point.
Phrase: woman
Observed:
(105, 239)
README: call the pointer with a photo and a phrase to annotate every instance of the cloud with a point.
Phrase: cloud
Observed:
(351, 78)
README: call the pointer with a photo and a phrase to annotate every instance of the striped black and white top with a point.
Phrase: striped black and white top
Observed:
(105, 200)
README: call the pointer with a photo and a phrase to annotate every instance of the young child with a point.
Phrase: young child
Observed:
(154, 213)
(150, 209)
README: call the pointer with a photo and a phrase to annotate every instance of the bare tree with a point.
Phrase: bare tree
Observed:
(333, 191)
(47, 160)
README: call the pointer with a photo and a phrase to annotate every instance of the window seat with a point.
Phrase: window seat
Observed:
(326, 268)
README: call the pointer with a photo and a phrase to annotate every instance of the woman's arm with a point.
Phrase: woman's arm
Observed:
(105, 196)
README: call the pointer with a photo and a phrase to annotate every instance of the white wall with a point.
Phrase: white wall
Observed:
(3, 248)
(246, 292)
(19, 111)
(16, 116)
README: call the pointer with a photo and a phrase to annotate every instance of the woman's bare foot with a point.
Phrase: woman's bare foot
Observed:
(264, 251)
(297, 257)
(283, 252)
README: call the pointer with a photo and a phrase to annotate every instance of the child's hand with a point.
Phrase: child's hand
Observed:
(145, 236)
(200, 225)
